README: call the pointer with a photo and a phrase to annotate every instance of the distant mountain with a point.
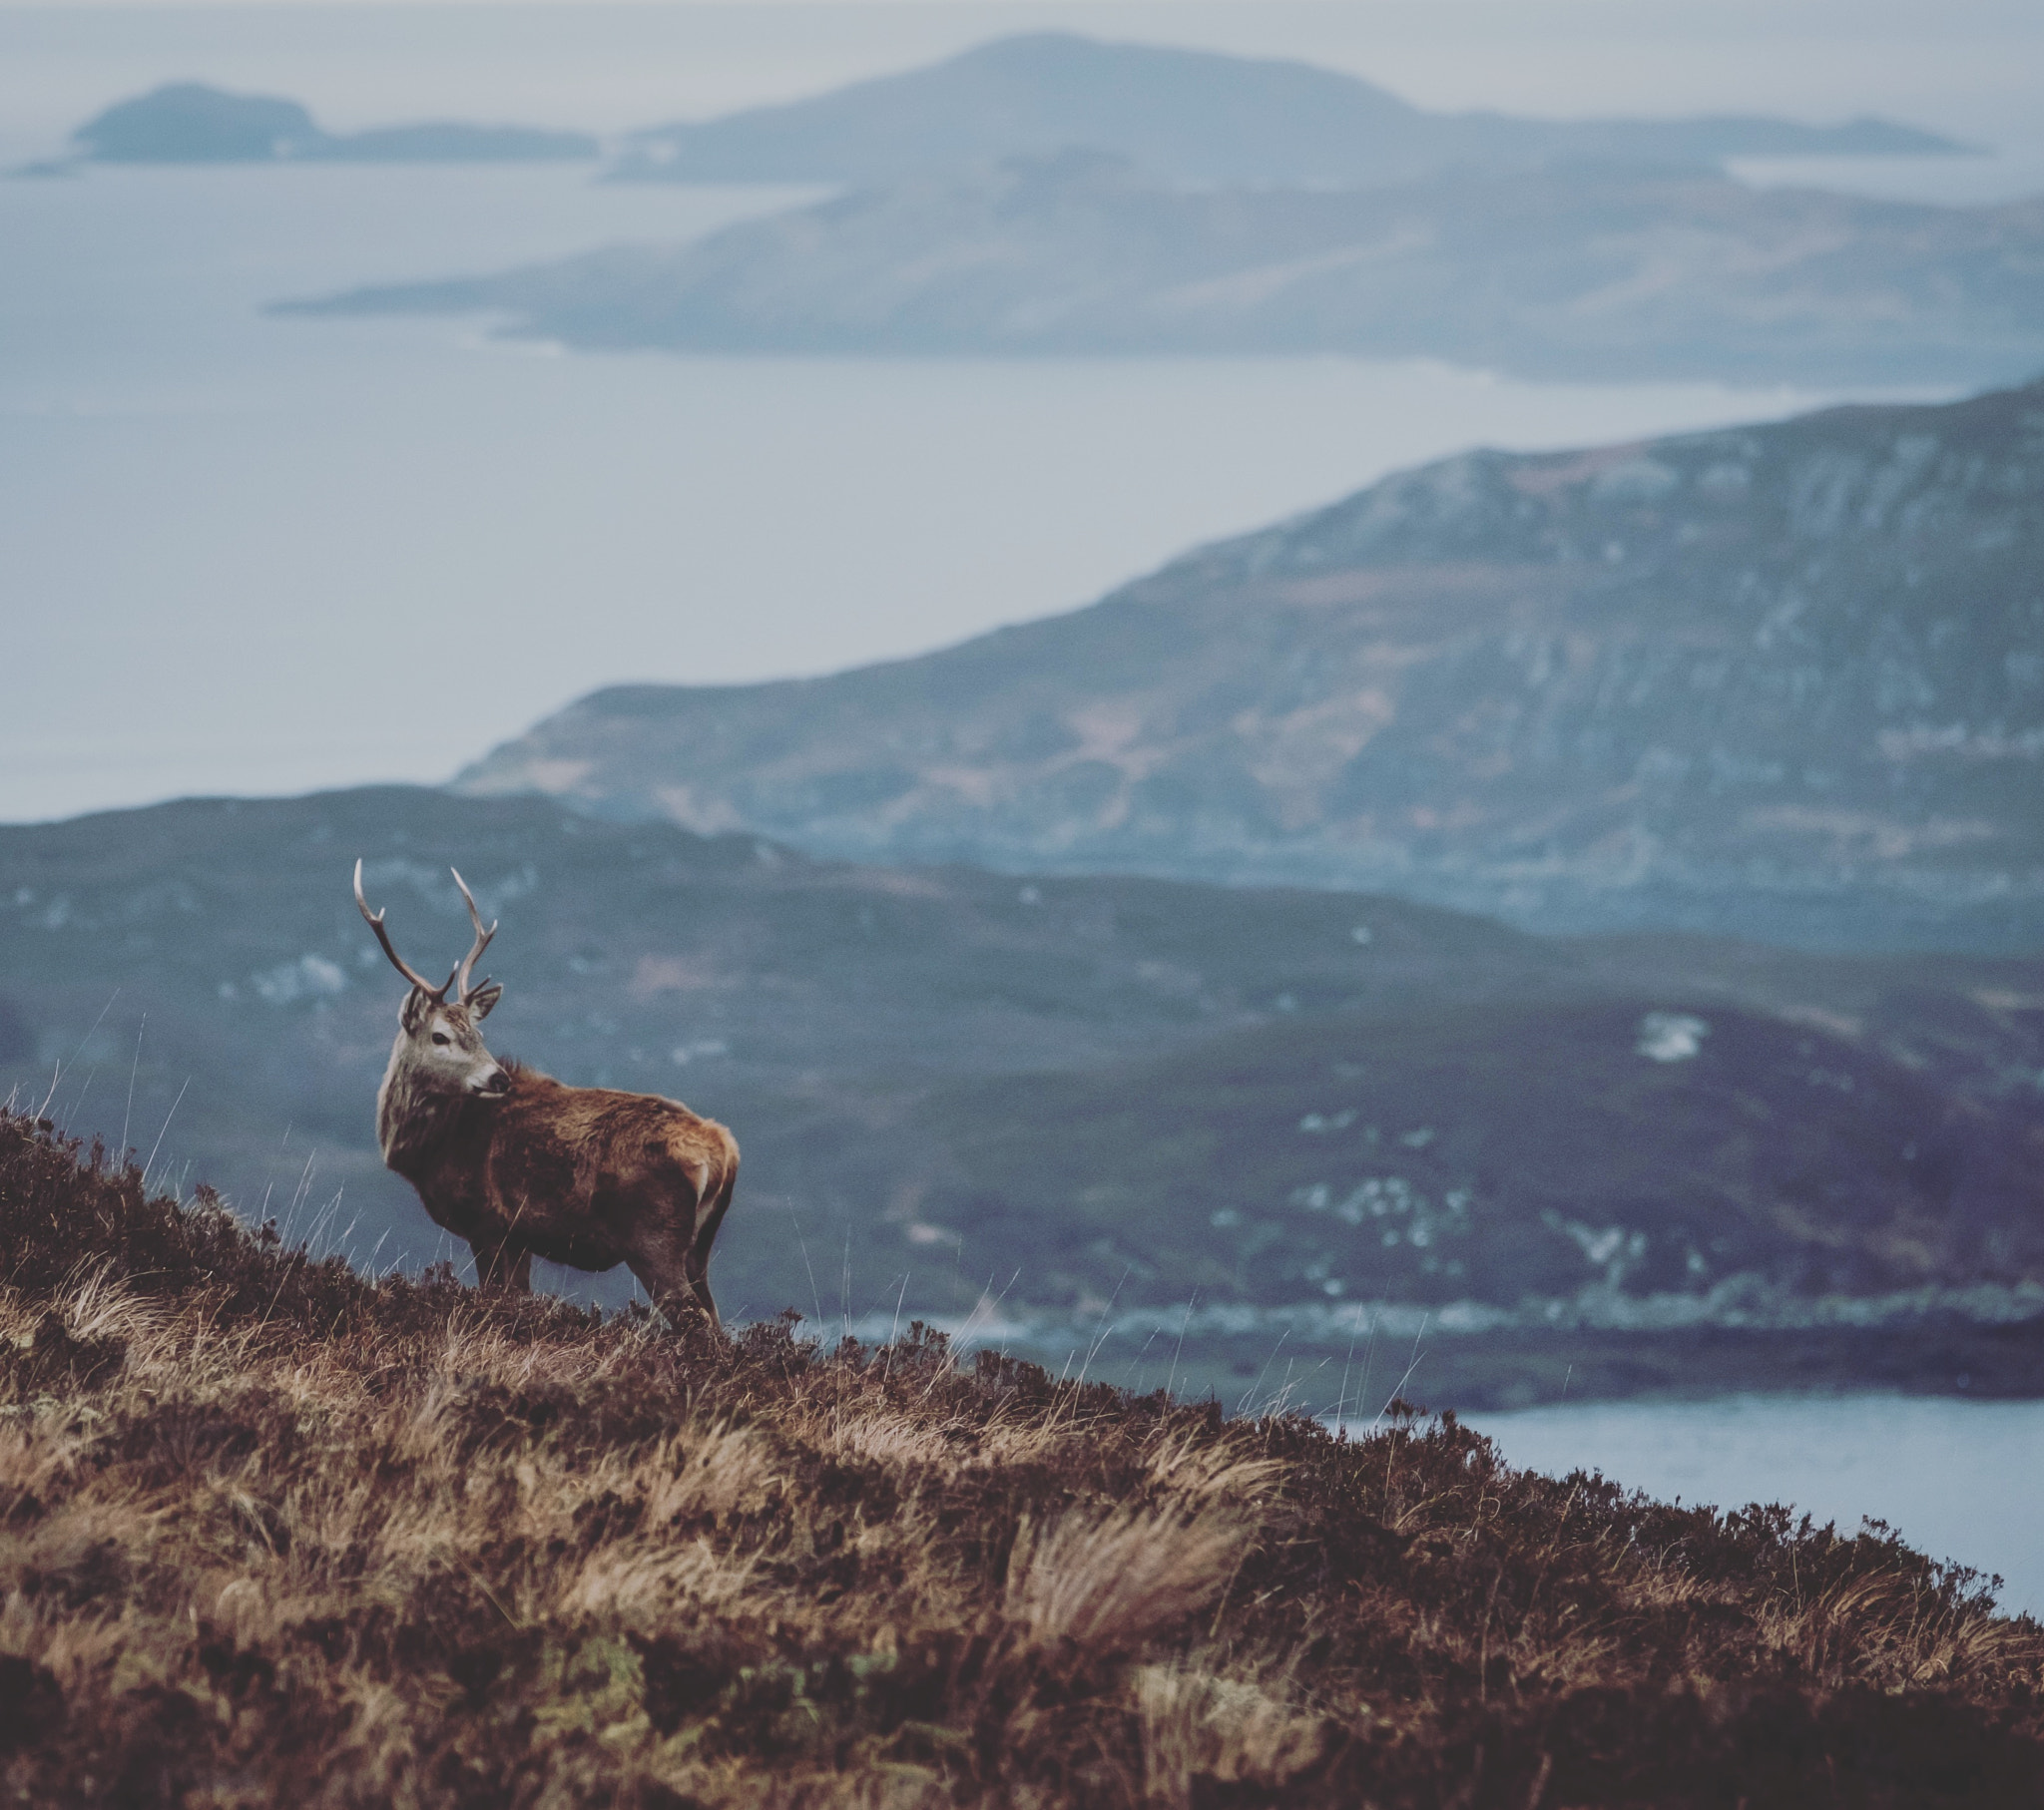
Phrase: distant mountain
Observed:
(1600, 272)
(1784, 681)
(1293, 1106)
(190, 123)
(1193, 116)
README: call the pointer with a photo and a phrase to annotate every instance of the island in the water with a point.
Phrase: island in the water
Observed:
(192, 122)
(1193, 115)
(1587, 273)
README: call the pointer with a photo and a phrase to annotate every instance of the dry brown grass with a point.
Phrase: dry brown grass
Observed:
(270, 1533)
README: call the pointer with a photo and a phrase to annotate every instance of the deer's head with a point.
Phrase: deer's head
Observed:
(439, 1049)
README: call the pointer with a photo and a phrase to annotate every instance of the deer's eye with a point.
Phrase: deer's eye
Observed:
(441, 1036)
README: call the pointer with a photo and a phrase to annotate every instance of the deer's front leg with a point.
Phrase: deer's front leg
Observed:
(502, 1263)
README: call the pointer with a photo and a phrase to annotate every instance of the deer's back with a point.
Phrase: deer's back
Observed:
(586, 1172)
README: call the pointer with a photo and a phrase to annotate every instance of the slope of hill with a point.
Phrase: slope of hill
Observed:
(268, 1533)
(1603, 273)
(192, 122)
(1191, 114)
(1495, 1154)
(1784, 681)
(1606, 1183)
(1064, 1092)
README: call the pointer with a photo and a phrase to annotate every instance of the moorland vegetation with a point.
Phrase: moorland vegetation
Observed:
(271, 1529)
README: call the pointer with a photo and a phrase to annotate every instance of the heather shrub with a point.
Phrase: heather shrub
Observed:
(273, 1532)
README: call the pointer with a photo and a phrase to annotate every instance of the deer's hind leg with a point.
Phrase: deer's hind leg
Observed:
(664, 1269)
(671, 1254)
(708, 1216)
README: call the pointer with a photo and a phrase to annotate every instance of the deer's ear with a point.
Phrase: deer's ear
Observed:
(415, 1010)
(483, 1000)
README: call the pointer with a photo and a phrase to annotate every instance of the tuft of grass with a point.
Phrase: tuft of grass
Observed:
(271, 1532)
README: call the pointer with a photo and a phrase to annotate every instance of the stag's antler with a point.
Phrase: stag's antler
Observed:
(460, 980)
(374, 920)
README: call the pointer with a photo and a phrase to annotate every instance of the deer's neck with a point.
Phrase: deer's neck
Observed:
(416, 1124)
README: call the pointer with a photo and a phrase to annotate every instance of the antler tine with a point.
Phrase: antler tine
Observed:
(482, 941)
(374, 920)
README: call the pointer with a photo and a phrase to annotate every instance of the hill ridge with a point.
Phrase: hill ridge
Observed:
(1777, 680)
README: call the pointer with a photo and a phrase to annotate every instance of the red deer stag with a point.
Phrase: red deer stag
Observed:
(522, 1166)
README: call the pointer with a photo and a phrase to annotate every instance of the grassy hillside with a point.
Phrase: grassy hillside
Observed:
(270, 1531)
(1486, 1153)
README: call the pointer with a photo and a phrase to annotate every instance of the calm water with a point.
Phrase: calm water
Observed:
(1958, 1480)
